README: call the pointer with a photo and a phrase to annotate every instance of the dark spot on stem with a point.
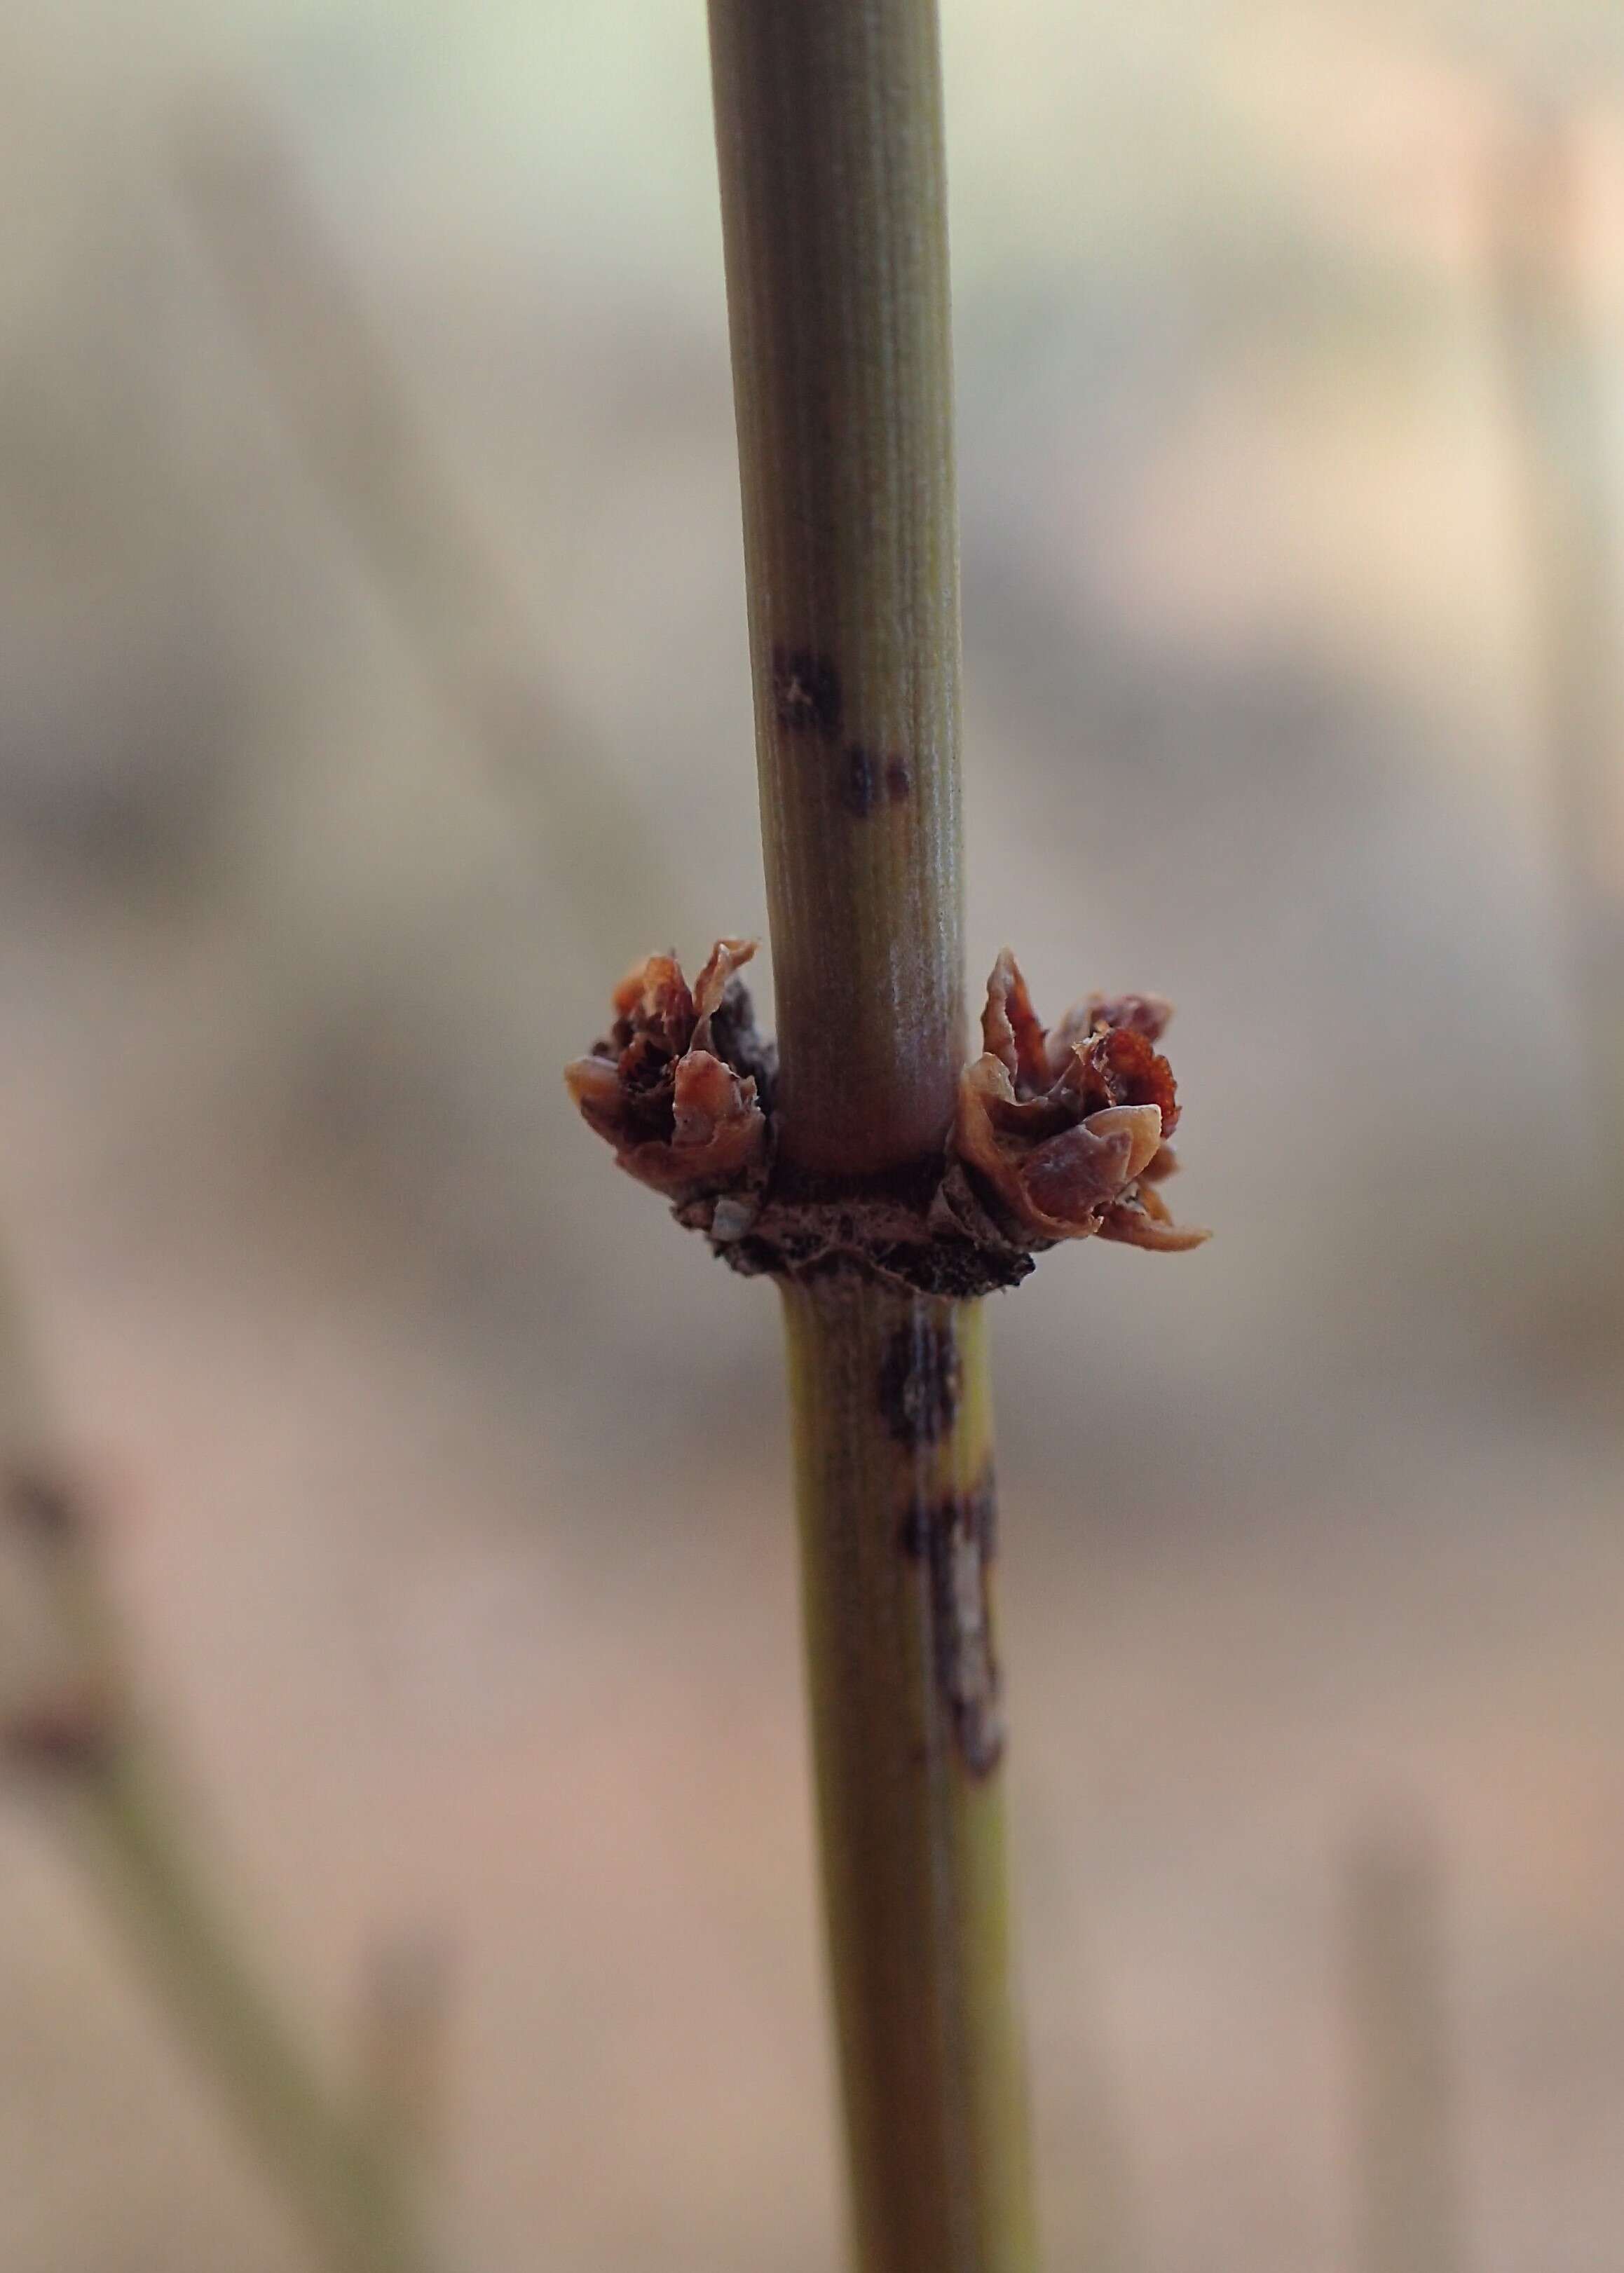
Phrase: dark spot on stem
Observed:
(867, 780)
(862, 781)
(914, 1532)
(806, 691)
(957, 1538)
(920, 1380)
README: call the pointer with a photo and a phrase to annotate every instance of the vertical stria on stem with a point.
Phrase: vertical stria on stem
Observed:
(828, 132)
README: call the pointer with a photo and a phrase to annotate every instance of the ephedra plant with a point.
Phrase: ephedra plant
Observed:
(886, 1186)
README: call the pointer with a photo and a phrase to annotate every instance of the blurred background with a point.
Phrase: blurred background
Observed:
(373, 690)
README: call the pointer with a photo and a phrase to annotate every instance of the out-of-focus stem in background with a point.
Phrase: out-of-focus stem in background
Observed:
(115, 1799)
(405, 2061)
(1558, 378)
(474, 634)
(1407, 2201)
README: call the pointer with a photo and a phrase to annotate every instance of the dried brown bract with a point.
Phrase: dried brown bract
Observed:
(1061, 1132)
(676, 1086)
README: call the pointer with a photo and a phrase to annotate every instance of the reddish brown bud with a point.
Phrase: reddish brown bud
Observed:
(1066, 1128)
(1060, 1134)
(674, 1084)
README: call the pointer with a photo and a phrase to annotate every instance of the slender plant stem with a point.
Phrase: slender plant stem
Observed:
(1409, 2198)
(433, 564)
(115, 1799)
(897, 1544)
(829, 131)
(337, 2177)
(405, 2055)
(1557, 389)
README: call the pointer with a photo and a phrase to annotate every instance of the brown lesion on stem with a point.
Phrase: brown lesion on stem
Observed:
(806, 691)
(808, 699)
(956, 1537)
(1059, 1133)
(867, 780)
(920, 1378)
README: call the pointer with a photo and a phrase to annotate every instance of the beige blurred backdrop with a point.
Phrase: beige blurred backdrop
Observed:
(374, 689)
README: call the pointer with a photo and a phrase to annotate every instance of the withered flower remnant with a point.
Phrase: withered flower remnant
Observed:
(1058, 1133)
(675, 1086)
(1063, 1130)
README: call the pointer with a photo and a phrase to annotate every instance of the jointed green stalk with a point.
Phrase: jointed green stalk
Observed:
(829, 131)
(886, 1184)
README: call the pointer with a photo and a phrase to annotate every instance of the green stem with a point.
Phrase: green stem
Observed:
(335, 2177)
(830, 142)
(828, 132)
(897, 1527)
(117, 1804)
